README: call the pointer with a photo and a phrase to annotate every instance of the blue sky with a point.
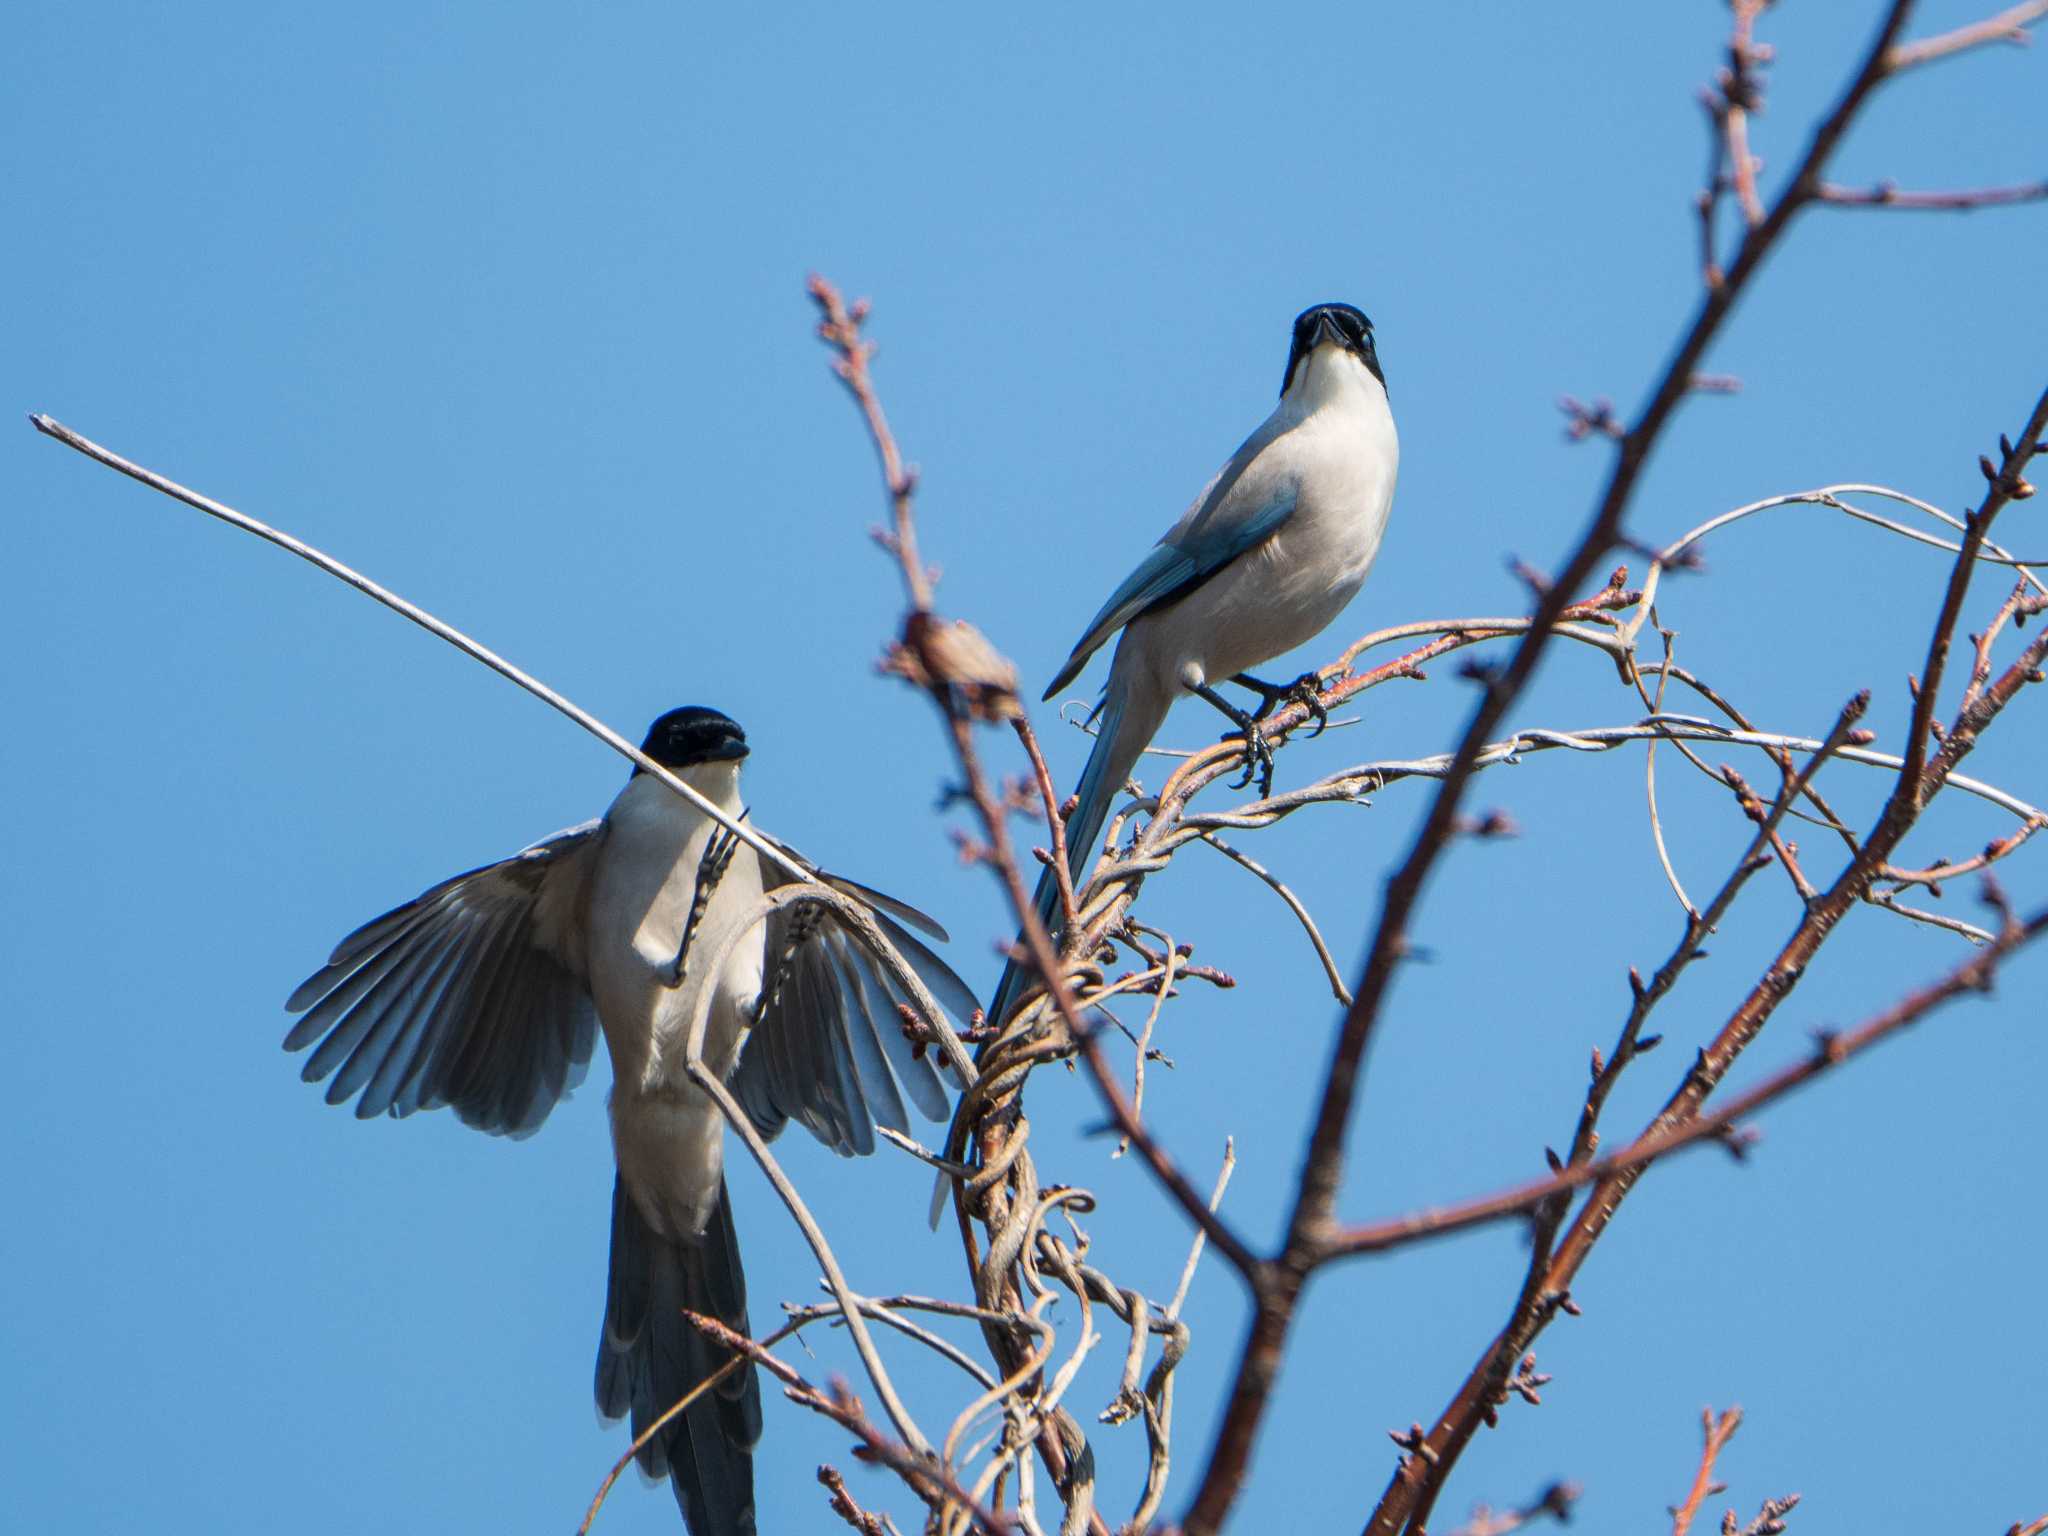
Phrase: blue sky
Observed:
(505, 306)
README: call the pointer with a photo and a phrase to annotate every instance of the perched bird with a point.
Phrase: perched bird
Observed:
(486, 994)
(1267, 555)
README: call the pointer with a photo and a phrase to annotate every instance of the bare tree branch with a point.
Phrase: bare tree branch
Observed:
(1886, 195)
(1831, 1050)
(2008, 26)
(1717, 1431)
(439, 628)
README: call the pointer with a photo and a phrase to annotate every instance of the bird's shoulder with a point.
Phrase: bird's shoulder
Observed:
(555, 873)
(1249, 479)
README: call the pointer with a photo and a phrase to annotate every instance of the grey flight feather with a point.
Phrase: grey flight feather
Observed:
(471, 995)
(828, 1049)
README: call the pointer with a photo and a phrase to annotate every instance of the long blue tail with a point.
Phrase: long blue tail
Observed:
(1128, 720)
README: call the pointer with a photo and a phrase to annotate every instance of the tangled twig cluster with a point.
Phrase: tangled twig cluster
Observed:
(1016, 1453)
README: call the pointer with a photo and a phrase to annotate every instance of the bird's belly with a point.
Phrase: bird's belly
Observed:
(670, 1148)
(638, 913)
(667, 1133)
(1274, 599)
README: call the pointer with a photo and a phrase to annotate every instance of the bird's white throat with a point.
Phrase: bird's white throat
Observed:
(718, 782)
(1333, 378)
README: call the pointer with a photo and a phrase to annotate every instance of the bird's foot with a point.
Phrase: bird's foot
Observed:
(1258, 760)
(1305, 690)
(711, 868)
(1258, 752)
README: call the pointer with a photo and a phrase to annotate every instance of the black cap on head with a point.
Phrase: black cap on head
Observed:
(694, 734)
(1338, 323)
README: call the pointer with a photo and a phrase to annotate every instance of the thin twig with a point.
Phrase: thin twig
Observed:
(1344, 786)
(668, 1415)
(1553, 1503)
(1741, 91)
(1187, 1270)
(1650, 787)
(1717, 1430)
(1831, 496)
(1294, 904)
(842, 1504)
(1142, 1046)
(839, 327)
(1886, 195)
(1973, 975)
(917, 1466)
(2008, 26)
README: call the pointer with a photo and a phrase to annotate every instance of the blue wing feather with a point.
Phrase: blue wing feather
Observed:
(1172, 570)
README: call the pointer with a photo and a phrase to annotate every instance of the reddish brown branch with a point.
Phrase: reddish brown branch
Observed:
(839, 328)
(1409, 1497)
(2006, 483)
(1596, 420)
(843, 1505)
(1391, 940)
(1553, 1503)
(1830, 1051)
(1340, 684)
(932, 1482)
(1055, 822)
(1718, 1431)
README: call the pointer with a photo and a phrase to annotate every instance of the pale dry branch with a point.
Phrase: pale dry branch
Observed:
(1886, 194)
(1344, 786)
(1831, 496)
(439, 628)
(1294, 904)
(1650, 782)
(2008, 26)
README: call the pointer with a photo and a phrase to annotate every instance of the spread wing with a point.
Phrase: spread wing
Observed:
(1212, 536)
(472, 995)
(829, 1050)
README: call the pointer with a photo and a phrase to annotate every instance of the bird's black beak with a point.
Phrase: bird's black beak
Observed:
(1326, 330)
(730, 750)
